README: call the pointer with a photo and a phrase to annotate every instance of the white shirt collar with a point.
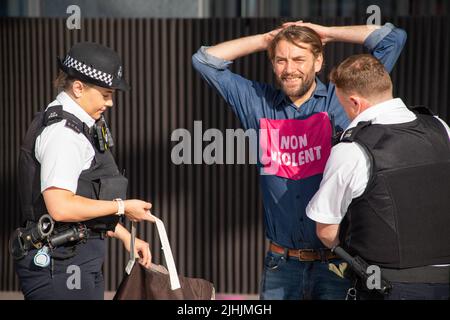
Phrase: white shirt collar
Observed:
(69, 105)
(388, 112)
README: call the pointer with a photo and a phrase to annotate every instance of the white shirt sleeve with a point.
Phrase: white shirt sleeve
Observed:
(63, 155)
(346, 176)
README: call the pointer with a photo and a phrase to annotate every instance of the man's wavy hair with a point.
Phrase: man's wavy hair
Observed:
(298, 36)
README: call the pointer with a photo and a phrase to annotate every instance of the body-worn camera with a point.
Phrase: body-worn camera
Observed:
(102, 135)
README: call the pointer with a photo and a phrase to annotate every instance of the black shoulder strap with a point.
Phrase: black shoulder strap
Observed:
(421, 110)
(55, 114)
(425, 114)
(367, 138)
(350, 134)
(428, 116)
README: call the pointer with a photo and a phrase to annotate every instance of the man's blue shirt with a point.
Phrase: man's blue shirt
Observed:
(285, 200)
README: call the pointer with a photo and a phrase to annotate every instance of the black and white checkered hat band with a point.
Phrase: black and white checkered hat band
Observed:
(88, 71)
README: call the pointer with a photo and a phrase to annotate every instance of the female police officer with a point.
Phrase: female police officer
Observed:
(66, 170)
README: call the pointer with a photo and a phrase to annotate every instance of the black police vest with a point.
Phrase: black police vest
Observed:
(402, 219)
(101, 181)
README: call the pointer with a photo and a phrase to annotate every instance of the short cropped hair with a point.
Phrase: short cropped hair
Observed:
(362, 74)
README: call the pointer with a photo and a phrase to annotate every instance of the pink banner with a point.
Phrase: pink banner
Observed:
(295, 149)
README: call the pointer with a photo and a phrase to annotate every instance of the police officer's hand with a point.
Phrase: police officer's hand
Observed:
(142, 250)
(137, 210)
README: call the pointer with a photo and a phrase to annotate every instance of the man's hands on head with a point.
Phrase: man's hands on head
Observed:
(269, 36)
(236, 48)
(350, 34)
(322, 31)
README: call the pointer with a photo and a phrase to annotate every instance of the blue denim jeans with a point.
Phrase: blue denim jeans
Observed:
(291, 279)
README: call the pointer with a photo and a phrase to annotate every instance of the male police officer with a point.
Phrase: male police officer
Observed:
(66, 170)
(387, 184)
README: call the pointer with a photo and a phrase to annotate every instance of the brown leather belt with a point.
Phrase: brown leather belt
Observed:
(305, 254)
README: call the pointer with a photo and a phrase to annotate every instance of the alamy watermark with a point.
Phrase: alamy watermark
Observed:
(374, 280)
(74, 20)
(74, 280)
(190, 149)
(375, 15)
(264, 146)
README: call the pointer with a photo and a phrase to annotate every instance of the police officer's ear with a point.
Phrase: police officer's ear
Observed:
(77, 88)
(358, 103)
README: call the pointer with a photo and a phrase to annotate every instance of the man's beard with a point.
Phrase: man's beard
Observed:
(301, 89)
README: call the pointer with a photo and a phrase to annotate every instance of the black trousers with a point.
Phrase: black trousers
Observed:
(411, 291)
(77, 278)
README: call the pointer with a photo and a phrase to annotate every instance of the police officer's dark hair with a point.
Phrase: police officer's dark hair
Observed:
(63, 81)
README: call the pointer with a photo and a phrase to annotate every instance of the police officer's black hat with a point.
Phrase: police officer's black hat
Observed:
(96, 64)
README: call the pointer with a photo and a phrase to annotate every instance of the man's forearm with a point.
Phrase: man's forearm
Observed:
(233, 49)
(351, 34)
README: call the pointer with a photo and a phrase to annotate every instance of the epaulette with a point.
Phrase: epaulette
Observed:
(52, 115)
(74, 125)
(350, 134)
(56, 113)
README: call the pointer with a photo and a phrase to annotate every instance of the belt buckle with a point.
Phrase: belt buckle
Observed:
(301, 251)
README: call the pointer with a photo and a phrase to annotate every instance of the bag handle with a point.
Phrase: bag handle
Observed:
(132, 259)
(173, 274)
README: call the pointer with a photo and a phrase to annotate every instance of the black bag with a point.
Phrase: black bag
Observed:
(154, 284)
